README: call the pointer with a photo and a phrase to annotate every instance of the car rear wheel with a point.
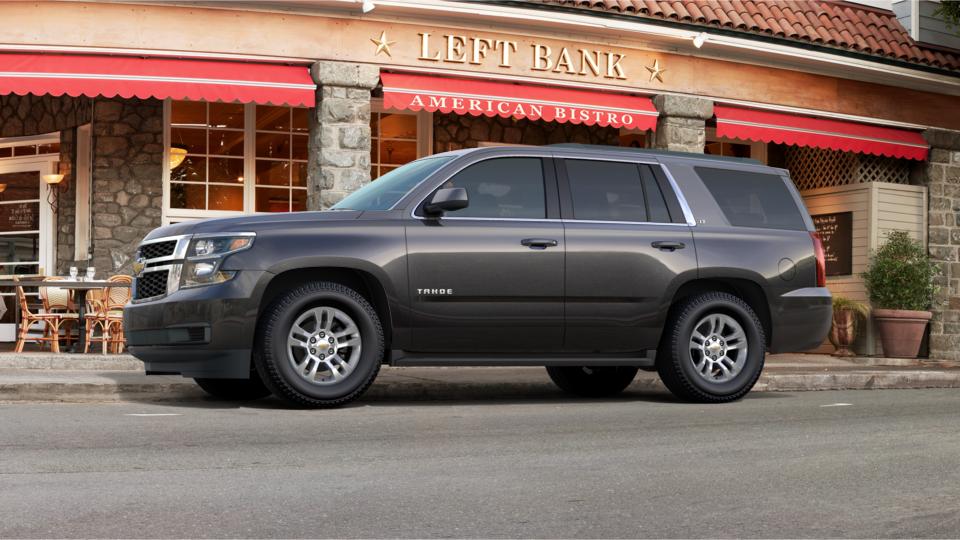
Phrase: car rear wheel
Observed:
(713, 349)
(319, 345)
(592, 381)
(235, 389)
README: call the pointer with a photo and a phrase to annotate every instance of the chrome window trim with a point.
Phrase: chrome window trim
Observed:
(684, 206)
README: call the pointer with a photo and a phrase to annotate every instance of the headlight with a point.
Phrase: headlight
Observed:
(205, 256)
(218, 245)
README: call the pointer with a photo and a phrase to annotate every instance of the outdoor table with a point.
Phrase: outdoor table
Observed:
(81, 287)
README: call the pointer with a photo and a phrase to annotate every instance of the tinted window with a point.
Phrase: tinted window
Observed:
(502, 188)
(750, 199)
(606, 190)
(656, 204)
(384, 192)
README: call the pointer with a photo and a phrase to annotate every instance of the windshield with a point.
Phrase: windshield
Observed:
(384, 192)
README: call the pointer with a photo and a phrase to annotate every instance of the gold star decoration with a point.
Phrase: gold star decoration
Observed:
(383, 45)
(656, 72)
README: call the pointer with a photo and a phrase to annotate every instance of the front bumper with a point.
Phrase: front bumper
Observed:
(802, 320)
(198, 332)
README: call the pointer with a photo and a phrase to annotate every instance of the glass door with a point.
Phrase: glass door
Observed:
(25, 230)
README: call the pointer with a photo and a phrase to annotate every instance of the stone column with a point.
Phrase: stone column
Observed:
(941, 175)
(127, 187)
(339, 131)
(681, 126)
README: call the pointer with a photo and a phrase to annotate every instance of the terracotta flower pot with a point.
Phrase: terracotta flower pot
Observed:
(901, 331)
(843, 332)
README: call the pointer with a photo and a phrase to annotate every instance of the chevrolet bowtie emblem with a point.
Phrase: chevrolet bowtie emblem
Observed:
(138, 266)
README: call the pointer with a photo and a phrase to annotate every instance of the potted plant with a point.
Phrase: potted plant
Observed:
(900, 284)
(847, 316)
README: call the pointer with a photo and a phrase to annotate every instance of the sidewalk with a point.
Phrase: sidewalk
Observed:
(96, 378)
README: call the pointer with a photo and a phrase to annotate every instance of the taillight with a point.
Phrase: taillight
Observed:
(821, 260)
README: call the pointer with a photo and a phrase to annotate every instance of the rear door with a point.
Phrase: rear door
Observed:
(489, 278)
(628, 245)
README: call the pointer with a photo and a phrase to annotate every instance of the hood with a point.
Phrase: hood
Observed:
(251, 223)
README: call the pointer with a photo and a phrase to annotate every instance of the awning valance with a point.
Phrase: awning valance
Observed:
(125, 76)
(766, 126)
(493, 98)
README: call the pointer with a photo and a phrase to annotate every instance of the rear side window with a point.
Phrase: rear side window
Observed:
(510, 187)
(750, 199)
(615, 191)
(606, 190)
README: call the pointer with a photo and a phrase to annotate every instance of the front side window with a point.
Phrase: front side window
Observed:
(507, 188)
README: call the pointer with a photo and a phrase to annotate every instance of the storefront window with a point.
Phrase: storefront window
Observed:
(727, 149)
(393, 141)
(228, 158)
(281, 159)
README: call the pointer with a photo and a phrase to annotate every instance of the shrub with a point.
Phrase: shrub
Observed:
(900, 275)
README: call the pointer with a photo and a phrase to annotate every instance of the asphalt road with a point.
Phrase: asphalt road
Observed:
(772, 465)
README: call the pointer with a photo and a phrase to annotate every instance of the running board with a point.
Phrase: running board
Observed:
(403, 358)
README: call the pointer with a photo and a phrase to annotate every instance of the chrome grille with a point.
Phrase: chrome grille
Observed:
(151, 284)
(158, 249)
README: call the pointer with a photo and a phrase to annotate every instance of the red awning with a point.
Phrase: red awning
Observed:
(125, 76)
(490, 98)
(754, 125)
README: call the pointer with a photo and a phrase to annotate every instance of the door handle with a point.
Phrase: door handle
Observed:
(538, 243)
(667, 245)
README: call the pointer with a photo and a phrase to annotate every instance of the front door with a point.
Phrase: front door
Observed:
(25, 229)
(489, 278)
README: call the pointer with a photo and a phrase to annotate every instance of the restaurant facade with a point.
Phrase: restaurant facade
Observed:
(116, 118)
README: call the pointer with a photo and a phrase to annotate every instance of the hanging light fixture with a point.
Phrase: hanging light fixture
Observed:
(177, 155)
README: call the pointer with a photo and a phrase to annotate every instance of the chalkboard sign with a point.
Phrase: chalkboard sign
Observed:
(836, 232)
(19, 217)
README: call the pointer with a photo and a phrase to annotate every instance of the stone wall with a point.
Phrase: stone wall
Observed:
(453, 132)
(339, 132)
(942, 177)
(127, 190)
(23, 116)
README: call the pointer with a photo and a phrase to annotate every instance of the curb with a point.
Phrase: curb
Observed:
(398, 387)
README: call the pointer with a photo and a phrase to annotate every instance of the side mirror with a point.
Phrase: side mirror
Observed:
(446, 200)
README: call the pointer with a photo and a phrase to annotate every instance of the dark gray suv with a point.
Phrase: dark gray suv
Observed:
(592, 261)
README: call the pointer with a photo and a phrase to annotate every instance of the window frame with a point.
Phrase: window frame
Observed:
(758, 149)
(174, 215)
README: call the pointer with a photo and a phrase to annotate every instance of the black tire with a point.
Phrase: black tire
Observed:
(592, 381)
(235, 389)
(275, 367)
(676, 364)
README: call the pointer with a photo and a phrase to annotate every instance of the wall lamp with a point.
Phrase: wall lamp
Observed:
(55, 186)
(367, 6)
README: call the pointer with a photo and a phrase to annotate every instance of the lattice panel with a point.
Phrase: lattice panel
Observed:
(813, 168)
(883, 169)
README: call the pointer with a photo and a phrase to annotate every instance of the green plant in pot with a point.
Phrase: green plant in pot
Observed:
(848, 315)
(900, 284)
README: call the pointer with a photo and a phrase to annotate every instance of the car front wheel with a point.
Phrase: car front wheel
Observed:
(713, 349)
(319, 345)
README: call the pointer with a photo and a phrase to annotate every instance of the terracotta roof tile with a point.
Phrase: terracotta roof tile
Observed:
(830, 22)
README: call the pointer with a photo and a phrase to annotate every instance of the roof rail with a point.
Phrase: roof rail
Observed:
(652, 152)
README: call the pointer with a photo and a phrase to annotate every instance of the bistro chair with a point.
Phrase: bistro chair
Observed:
(105, 313)
(50, 321)
(60, 301)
